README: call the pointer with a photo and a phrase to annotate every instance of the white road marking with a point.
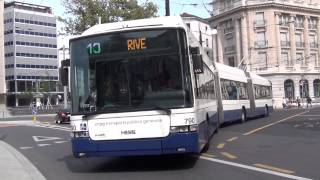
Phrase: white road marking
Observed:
(41, 145)
(23, 122)
(309, 115)
(35, 124)
(53, 127)
(27, 147)
(59, 142)
(44, 138)
(271, 124)
(254, 168)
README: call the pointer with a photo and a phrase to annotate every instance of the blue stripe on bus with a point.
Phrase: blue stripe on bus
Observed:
(232, 115)
(156, 146)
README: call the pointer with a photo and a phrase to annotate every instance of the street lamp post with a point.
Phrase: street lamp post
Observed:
(302, 82)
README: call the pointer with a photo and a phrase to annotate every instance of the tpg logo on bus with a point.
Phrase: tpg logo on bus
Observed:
(136, 44)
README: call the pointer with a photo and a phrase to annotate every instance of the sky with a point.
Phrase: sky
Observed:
(177, 7)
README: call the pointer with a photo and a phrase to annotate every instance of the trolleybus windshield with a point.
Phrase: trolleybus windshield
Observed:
(129, 71)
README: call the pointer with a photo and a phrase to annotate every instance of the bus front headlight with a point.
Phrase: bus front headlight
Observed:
(80, 134)
(183, 129)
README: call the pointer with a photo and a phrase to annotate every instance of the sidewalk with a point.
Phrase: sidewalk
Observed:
(13, 165)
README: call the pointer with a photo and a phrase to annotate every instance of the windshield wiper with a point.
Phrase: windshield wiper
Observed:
(90, 114)
(166, 110)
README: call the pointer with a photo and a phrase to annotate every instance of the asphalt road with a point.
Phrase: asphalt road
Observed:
(284, 145)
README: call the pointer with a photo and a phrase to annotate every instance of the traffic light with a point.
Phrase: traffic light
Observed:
(64, 72)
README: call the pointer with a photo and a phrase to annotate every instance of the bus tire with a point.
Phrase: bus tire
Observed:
(243, 115)
(266, 111)
(217, 126)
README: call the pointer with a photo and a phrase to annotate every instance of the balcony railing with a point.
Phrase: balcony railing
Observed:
(312, 26)
(314, 45)
(284, 23)
(298, 25)
(285, 43)
(260, 44)
(229, 49)
(228, 30)
(260, 23)
(300, 44)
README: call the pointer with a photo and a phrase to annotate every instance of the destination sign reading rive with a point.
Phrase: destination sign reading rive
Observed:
(136, 44)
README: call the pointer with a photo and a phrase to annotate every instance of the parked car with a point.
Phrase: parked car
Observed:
(63, 116)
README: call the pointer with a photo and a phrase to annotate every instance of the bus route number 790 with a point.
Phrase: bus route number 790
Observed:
(190, 120)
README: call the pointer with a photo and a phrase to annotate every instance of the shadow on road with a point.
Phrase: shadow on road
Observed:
(130, 164)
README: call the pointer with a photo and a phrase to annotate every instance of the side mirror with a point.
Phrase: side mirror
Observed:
(196, 60)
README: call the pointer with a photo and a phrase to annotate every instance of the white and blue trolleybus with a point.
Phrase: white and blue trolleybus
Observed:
(135, 91)
(145, 87)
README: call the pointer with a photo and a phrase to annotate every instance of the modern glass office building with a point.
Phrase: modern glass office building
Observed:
(31, 62)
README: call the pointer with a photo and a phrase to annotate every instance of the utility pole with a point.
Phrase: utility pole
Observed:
(167, 8)
(65, 87)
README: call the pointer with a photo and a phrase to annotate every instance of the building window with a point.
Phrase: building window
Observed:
(259, 19)
(312, 23)
(312, 59)
(228, 26)
(284, 39)
(313, 41)
(304, 88)
(289, 89)
(227, 4)
(298, 22)
(26, 21)
(316, 88)
(262, 60)
(188, 24)
(285, 58)
(32, 33)
(299, 58)
(284, 20)
(260, 40)
(299, 41)
(231, 62)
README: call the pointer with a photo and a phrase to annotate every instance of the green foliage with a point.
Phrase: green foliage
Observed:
(82, 14)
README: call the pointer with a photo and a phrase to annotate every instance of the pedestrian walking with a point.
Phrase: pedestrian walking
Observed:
(284, 103)
(298, 102)
(309, 101)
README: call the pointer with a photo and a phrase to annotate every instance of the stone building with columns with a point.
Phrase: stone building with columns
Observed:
(277, 39)
(201, 29)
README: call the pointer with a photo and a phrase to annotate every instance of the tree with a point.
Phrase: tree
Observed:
(82, 14)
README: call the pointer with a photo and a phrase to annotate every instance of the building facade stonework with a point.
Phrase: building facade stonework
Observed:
(201, 29)
(277, 39)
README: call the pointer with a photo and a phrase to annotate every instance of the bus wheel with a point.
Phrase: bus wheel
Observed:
(217, 126)
(266, 111)
(243, 115)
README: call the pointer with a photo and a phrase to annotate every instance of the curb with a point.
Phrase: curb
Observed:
(29, 169)
(19, 116)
